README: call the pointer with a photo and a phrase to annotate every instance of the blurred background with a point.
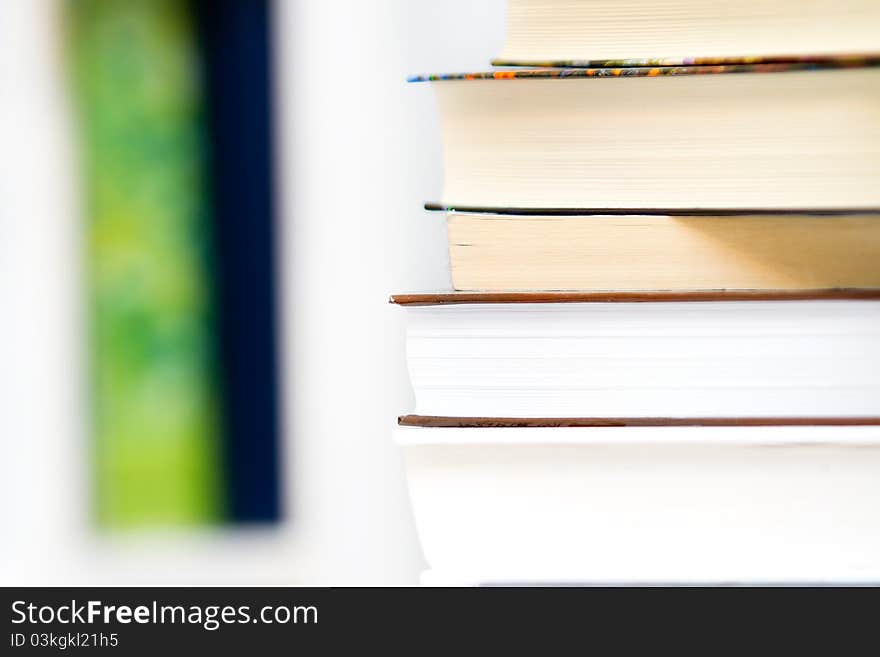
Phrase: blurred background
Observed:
(203, 209)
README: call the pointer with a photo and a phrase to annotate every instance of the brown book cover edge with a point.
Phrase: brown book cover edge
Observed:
(438, 421)
(447, 298)
(662, 212)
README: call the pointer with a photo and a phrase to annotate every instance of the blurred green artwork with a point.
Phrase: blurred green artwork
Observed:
(153, 364)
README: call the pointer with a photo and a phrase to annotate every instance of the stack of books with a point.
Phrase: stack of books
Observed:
(661, 358)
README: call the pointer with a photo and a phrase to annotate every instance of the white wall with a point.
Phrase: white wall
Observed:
(359, 153)
(43, 461)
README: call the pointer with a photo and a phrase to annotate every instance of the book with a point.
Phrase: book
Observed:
(715, 356)
(599, 32)
(624, 504)
(494, 251)
(788, 137)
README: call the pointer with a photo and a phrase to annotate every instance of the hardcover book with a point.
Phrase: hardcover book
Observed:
(644, 355)
(626, 32)
(545, 251)
(792, 137)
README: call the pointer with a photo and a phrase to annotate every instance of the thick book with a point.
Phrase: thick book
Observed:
(516, 251)
(591, 32)
(723, 504)
(713, 357)
(750, 137)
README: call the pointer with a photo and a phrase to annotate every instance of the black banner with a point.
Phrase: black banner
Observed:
(157, 621)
